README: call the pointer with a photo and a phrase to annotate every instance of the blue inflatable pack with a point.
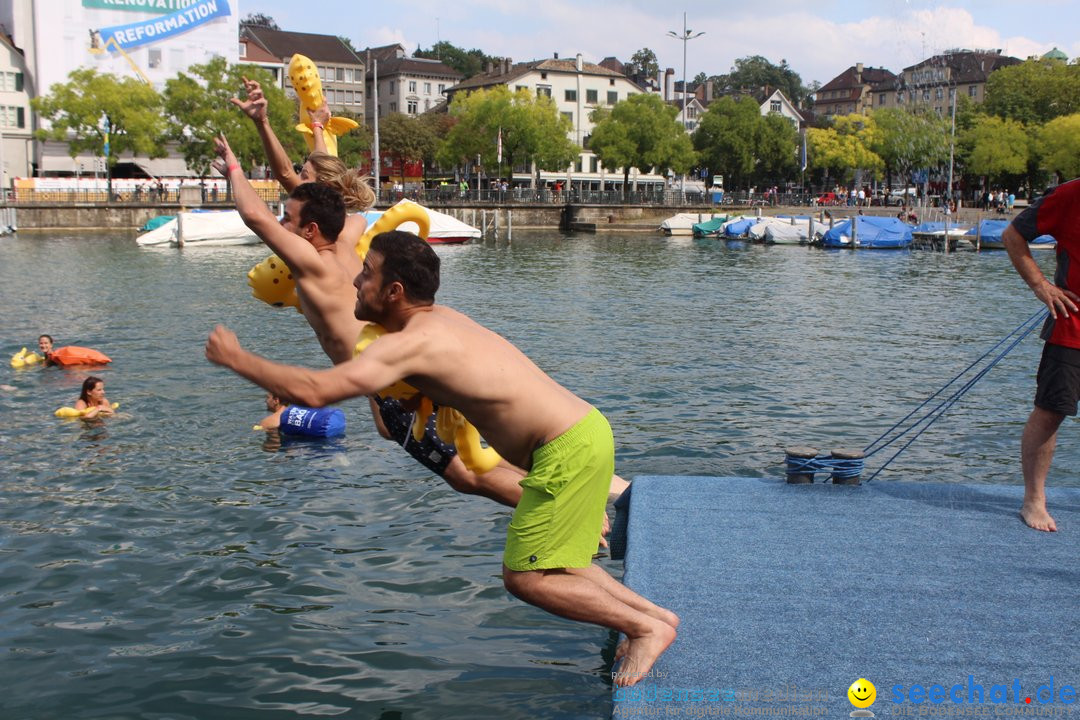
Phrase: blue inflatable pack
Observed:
(313, 422)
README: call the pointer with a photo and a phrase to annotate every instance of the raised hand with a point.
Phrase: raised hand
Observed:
(255, 105)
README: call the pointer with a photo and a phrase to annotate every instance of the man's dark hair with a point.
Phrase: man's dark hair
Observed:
(323, 206)
(411, 261)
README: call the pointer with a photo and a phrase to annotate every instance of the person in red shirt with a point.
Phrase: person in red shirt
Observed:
(1057, 213)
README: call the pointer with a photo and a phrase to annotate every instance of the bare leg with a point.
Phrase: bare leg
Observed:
(1036, 453)
(501, 484)
(575, 597)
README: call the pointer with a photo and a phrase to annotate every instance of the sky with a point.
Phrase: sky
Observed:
(818, 38)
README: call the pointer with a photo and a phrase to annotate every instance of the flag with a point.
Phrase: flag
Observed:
(499, 145)
(803, 153)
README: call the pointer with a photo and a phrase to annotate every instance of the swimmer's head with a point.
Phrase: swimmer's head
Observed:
(93, 390)
(409, 260)
(273, 402)
(313, 205)
(45, 344)
(354, 187)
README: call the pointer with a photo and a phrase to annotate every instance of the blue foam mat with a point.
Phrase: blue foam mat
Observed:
(788, 594)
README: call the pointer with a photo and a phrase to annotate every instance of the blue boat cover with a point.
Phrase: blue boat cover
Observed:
(991, 231)
(739, 228)
(872, 232)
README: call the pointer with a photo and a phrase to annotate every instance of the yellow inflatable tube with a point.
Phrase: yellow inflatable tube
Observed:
(272, 282)
(70, 412)
(24, 358)
(305, 80)
(450, 425)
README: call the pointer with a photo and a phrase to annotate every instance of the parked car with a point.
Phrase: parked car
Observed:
(828, 198)
(902, 196)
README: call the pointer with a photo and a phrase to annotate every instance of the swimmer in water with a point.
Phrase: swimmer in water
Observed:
(92, 398)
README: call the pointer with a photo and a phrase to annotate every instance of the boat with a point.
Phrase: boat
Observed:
(212, 228)
(217, 228)
(445, 229)
(709, 228)
(784, 230)
(738, 227)
(933, 235)
(871, 233)
(987, 236)
(683, 223)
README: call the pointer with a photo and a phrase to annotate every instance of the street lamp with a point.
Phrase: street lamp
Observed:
(686, 36)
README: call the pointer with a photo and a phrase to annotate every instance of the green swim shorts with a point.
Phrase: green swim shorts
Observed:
(558, 520)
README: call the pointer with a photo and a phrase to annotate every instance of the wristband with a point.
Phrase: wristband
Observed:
(230, 168)
(316, 125)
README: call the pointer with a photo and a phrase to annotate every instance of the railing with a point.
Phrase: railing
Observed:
(166, 196)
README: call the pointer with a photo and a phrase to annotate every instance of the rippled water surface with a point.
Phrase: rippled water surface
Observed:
(170, 563)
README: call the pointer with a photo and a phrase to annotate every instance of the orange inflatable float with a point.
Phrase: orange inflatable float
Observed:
(75, 355)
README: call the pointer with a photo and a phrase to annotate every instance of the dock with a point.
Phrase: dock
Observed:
(936, 593)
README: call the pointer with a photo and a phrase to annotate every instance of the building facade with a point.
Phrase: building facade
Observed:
(932, 82)
(577, 87)
(406, 85)
(340, 69)
(149, 41)
(16, 138)
(853, 91)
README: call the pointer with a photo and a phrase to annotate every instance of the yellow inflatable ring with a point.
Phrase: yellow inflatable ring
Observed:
(24, 358)
(272, 282)
(70, 412)
(403, 212)
(450, 425)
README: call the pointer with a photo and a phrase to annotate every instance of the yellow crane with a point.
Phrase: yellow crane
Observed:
(98, 48)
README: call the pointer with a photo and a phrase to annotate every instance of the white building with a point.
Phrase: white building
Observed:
(577, 87)
(152, 40)
(407, 85)
(16, 140)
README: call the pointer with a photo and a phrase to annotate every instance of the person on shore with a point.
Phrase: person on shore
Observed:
(1058, 379)
(532, 421)
(92, 398)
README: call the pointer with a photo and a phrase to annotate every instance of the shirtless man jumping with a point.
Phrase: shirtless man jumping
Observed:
(565, 444)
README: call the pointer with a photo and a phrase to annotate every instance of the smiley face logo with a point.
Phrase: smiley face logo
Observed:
(862, 693)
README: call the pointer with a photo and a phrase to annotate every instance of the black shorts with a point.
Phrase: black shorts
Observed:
(430, 451)
(1058, 379)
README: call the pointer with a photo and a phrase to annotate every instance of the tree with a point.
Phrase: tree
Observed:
(92, 111)
(645, 60)
(1059, 145)
(777, 142)
(198, 108)
(755, 71)
(407, 138)
(255, 19)
(353, 146)
(642, 132)
(994, 147)
(844, 147)
(1034, 92)
(907, 140)
(466, 62)
(532, 130)
(726, 138)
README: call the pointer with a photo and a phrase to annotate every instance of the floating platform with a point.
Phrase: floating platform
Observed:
(788, 594)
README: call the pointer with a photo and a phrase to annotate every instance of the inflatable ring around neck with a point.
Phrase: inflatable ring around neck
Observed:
(450, 425)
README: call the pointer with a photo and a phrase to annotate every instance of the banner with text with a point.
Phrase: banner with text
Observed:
(144, 32)
(150, 6)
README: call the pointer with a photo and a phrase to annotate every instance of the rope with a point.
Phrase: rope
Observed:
(845, 468)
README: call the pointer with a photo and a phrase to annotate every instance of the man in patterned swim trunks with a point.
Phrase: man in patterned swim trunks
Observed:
(533, 422)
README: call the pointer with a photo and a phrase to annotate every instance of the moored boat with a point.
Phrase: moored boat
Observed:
(987, 236)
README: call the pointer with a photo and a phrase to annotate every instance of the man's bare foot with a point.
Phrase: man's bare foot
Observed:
(1035, 516)
(620, 650)
(642, 652)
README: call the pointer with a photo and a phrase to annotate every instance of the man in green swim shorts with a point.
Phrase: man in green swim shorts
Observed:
(532, 421)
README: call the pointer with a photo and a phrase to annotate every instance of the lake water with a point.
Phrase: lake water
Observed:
(170, 563)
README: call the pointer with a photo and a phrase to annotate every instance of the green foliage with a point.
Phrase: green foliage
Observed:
(995, 147)
(845, 147)
(907, 140)
(198, 108)
(532, 130)
(1059, 145)
(353, 146)
(408, 138)
(735, 140)
(643, 132)
(75, 111)
(466, 62)
(259, 20)
(1034, 92)
(755, 71)
(646, 61)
